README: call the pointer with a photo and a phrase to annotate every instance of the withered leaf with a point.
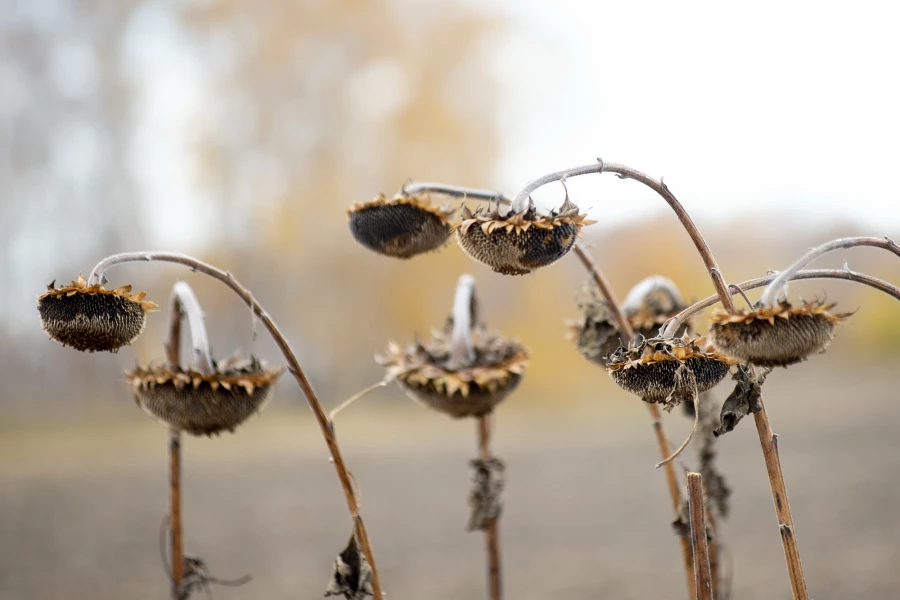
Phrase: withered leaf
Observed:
(488, 482)
(352, 577)
(743, 400)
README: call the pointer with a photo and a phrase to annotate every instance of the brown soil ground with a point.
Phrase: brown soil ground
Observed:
(586, 516)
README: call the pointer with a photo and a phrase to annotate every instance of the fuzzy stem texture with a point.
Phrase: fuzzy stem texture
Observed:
(201, 353)
(673, 324)
(453, 190)
(462, 351)
(520, 202)
(492, 529)
(769, 443)
(175, 537)
(702, 573)
(770, 294)
(293, 365)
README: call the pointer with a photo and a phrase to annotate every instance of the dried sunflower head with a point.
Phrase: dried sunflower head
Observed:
(648, 305)
(517, 244)
(652, 302)
(423, 371)
(92, 318)
(200, 403)
(668, 370)
(401, 227)
(775, 337)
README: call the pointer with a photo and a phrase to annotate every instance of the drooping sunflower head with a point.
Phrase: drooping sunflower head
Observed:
(518, 243)
(93, 318)
(779, 336)
(401, 227)
(668, 370)
(425, 372)
(647, 306)
(201, 403)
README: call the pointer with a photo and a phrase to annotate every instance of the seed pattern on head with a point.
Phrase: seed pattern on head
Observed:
(517, 244)
(204, 404)
(401, 227)
(775, 337)
(423, 372)
(668, 370)
(596, 334)
(92, 318)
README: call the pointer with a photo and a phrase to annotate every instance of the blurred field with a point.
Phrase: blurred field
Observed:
(586, 513)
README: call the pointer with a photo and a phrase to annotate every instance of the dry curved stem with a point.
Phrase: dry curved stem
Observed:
(190, 307)
(98, 274)
(612, 305)
(675, 323)
(455, 191)
(521, 201)
(462, 351)
(702, 572)
(768, 297)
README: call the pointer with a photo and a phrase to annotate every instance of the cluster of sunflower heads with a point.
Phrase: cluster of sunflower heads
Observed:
(401, 227)
(92, 318)
(204, 403)
(648, 305)
(426, 375)
(668, 371)
(779, 336)
(513, 244)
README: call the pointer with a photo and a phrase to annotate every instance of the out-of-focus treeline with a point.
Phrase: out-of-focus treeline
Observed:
(312, 106)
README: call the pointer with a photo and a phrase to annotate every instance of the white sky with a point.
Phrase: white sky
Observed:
(785, 109)
(791, 106)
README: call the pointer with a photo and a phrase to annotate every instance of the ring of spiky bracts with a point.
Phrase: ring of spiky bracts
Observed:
(518, 243)
(649, 304)
(93, 318)
(776, 336)
(426, 375)
(200, 403)
(668, 371)
(402, 227)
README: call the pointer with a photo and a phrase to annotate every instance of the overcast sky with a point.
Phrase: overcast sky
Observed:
(788, 106)
(785, 109)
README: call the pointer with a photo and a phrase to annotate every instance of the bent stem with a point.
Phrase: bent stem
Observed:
(702, 573)
(190, 307)
(462, 352)
(492, 528)
(521, 200)
(98, 274)
(673, 324)
(771, 292)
